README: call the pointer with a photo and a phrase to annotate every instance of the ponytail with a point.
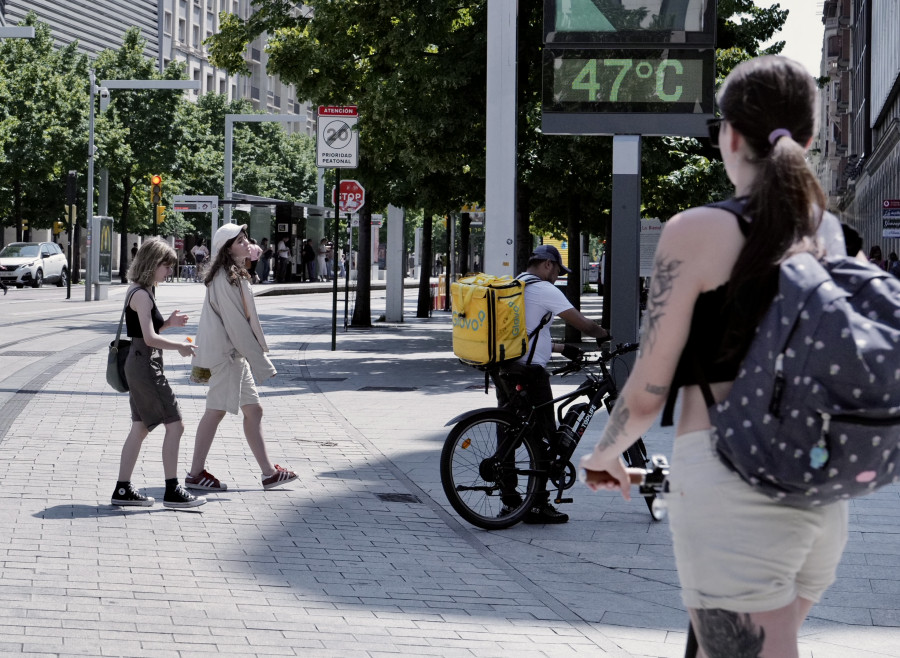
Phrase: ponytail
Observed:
(771, 102)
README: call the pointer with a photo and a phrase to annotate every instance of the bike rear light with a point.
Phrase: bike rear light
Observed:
(519, 388)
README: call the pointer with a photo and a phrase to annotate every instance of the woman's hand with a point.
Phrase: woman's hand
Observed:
(186, 349)
(600, 473)
(176, 319)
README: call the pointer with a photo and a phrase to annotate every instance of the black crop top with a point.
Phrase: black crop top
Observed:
(701, 357)
(133, 323)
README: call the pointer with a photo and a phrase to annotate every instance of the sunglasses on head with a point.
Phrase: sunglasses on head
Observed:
(713, 127)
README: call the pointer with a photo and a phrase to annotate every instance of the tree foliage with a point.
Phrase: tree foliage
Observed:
(43, 113)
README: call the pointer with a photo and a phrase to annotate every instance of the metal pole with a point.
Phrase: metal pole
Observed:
(229, 141)
(626, 227)
(337, 223)
(89, 206)
(349, 256)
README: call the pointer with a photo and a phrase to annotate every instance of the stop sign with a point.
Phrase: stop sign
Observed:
(353, 196)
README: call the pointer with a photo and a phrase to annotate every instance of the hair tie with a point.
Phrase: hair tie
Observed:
(778, 133)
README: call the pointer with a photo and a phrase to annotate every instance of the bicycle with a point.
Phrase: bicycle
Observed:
(490, 459)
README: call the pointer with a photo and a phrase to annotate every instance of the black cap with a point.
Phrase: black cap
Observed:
(549, 252)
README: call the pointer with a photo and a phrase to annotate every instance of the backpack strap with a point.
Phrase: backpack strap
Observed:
(548, 316)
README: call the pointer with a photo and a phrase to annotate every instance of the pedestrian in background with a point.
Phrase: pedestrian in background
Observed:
(308, 260)
(255, 255)
(876, 257)
(265, 261)
(149, 394)
(321, 254)
(750, 567)
(231, 344)
(200, 254)
(283, 263)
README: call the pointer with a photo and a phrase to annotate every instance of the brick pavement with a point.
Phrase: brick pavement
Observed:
(343, 562)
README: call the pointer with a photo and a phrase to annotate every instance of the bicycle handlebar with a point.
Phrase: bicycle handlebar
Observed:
(605, 356)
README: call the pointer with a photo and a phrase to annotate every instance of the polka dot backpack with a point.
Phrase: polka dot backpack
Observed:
(814, 415)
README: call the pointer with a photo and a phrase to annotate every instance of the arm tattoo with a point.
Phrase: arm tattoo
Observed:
(664, 273)
(657, 390)
(726, 634)
(616, 425)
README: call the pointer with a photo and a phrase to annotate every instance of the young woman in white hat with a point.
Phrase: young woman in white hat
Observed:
(231, 344)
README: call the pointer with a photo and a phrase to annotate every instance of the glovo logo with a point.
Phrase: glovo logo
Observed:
(471, 324)
(516, 318)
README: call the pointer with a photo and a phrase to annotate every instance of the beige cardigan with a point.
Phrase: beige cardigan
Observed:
(225, 328)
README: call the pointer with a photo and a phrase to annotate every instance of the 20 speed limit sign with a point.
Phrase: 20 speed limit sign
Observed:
(337, 139)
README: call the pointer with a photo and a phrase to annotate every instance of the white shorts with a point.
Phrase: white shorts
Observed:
(737, 549)
(231, 386)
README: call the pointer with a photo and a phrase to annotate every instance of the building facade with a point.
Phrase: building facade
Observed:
(859, 142)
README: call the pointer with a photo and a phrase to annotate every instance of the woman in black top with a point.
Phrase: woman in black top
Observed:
(150, 396)
(750, 567)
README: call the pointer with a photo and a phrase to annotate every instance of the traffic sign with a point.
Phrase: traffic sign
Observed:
(353, 196)
(890, 218)
(194, 203)
(337, 139)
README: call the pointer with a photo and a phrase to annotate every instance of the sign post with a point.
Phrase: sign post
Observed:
(337, 146)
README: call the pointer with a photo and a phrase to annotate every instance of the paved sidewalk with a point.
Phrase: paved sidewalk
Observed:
(362, 556)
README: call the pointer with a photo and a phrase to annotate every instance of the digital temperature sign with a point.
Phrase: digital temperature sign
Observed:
(629, 81)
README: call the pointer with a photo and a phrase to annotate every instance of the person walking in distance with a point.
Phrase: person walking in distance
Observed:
(150, 396)
(265, 259)
(255, 255)
(231, 344)
(283, 260)
(750, 567)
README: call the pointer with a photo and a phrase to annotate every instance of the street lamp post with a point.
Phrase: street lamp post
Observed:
(103, 90)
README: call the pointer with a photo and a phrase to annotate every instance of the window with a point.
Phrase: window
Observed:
(254, 93)
(181, 30)
(209, 83)
(195, 34)
(167, 23)
(222, 86)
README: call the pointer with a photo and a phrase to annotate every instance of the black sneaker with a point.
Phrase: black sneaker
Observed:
(545, 513)
(127, 495)
(179, 498)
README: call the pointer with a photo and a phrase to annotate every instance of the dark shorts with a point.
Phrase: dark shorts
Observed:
(149, 394)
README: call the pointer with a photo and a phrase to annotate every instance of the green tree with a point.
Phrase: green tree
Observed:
(43, 120)
(138, 135)
(409, 66)
(267, 161)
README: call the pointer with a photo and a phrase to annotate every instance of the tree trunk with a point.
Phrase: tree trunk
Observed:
(362, 309)
(423, 308)
(573, 286)
(127, 186)
(465, 226)
(17, 209)
(448, 267)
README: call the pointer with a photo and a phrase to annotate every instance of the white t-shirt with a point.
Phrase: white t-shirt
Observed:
(540, 297)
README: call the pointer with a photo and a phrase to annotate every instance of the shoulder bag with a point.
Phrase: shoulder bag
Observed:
(118, 352)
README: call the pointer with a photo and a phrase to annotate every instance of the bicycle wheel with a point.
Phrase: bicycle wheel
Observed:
(636, 457)
(487, 464)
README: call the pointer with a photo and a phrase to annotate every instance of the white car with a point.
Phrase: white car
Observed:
(32, 263)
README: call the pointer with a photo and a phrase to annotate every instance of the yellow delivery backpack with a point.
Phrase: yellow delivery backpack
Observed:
(489, 318)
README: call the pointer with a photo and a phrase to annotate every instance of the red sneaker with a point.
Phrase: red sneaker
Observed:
(279, 477)
(204, 481)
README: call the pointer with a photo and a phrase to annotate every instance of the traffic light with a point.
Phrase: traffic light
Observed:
(24, 225)
(58, 227)
(155, 190)
(160, 214)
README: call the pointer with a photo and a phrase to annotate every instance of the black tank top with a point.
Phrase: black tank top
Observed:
(133, 323)
(701, 359)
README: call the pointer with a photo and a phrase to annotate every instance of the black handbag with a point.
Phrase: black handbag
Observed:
(118, 352)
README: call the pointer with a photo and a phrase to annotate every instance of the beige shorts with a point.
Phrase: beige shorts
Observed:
(231, 386)
(737, 549)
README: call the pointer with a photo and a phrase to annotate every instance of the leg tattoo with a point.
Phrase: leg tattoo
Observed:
(726, 634)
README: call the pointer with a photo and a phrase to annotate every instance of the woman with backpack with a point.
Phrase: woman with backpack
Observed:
(750, 567)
